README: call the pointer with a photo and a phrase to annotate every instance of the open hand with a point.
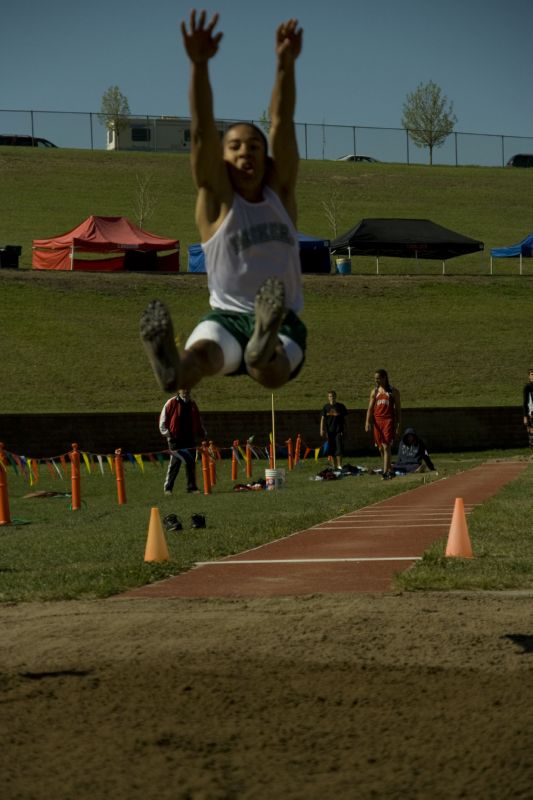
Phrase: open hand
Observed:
(200, 43)
(289, 39)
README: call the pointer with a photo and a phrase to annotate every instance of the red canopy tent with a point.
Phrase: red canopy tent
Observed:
(133, 248)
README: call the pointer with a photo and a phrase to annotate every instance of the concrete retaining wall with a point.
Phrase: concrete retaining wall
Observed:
(444, 429)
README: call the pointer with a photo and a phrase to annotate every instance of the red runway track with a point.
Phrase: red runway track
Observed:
(358, 552)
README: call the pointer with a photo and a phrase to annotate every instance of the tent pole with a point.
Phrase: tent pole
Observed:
(72, 257)
(377, 265)
(491, 265)
(520, 262)
(444, 268)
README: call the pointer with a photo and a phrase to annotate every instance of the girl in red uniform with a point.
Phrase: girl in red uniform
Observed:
(384, 411)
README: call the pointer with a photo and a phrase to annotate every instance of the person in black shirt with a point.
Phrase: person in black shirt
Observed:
(333, 427)
(528, 407)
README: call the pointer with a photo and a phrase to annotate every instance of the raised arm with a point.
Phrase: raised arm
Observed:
(283, 145)
(209, 173)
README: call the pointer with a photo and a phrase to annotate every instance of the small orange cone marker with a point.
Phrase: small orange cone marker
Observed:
(458, 538)
(156, 544)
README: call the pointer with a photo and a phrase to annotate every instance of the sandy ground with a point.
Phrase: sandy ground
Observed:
(369, 696)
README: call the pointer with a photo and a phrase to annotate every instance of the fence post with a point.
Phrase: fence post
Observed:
(75, 503)
(212, 454)
(297, 449)
(119, 475)
(248, 460)
(234, 462)
(205, 468)
(5, 517)
(290, 462)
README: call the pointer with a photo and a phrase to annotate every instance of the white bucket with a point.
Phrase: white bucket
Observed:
(275, 478)
(343, 265)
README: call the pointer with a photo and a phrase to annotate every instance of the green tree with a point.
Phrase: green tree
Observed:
(114, 110)
(428, 116)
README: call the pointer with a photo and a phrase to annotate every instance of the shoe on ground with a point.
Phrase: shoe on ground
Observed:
(193, 490)
(168, 492)
(197, 521)
(172, 523)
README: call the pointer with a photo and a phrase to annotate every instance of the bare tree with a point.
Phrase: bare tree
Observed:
(265, 122)
(331, 208)
(114, 110)
(145, 201)
(428, 116)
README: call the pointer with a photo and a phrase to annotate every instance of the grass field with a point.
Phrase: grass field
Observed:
(70, 343)
(47, 193)
(99, 550)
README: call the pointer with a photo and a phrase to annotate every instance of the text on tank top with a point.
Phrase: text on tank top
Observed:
(255, 241)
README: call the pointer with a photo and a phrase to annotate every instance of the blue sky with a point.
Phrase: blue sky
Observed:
(358, 64)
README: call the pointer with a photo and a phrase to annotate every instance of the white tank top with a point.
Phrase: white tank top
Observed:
(256, 241)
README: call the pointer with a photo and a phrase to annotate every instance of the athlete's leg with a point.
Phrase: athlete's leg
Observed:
(387, 457)
(210, 350)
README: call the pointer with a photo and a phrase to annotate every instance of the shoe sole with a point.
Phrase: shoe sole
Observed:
(157, 336)
(270, 312)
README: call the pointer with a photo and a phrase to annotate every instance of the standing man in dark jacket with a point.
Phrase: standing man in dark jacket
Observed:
(527, 403)
(181, 423)
(333, 427)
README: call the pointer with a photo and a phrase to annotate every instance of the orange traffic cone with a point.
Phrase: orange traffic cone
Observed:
(458, 538)
(156, 544)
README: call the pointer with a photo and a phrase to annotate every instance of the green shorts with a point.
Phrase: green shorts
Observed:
(241, 327)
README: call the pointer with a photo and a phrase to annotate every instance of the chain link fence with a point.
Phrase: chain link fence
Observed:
(87, 130)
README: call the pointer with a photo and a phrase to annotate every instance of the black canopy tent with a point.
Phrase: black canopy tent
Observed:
(403, 238)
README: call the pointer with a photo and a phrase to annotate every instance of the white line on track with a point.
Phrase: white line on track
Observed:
(372, 527)
(305, 560)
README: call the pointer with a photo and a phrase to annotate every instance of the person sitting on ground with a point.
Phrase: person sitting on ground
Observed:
(333, 427)
(246, 216)
(412, 454)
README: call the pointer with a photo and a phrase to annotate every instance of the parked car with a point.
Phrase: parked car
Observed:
(24, 141)
(353, 157)
(521, 160)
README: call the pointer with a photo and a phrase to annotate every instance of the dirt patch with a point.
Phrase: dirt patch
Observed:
(374, 696)
(103, 283)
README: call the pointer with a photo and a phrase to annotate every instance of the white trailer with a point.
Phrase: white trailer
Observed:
(166, 134)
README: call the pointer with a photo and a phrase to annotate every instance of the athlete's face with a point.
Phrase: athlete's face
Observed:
(244, 153)
(332, 397)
